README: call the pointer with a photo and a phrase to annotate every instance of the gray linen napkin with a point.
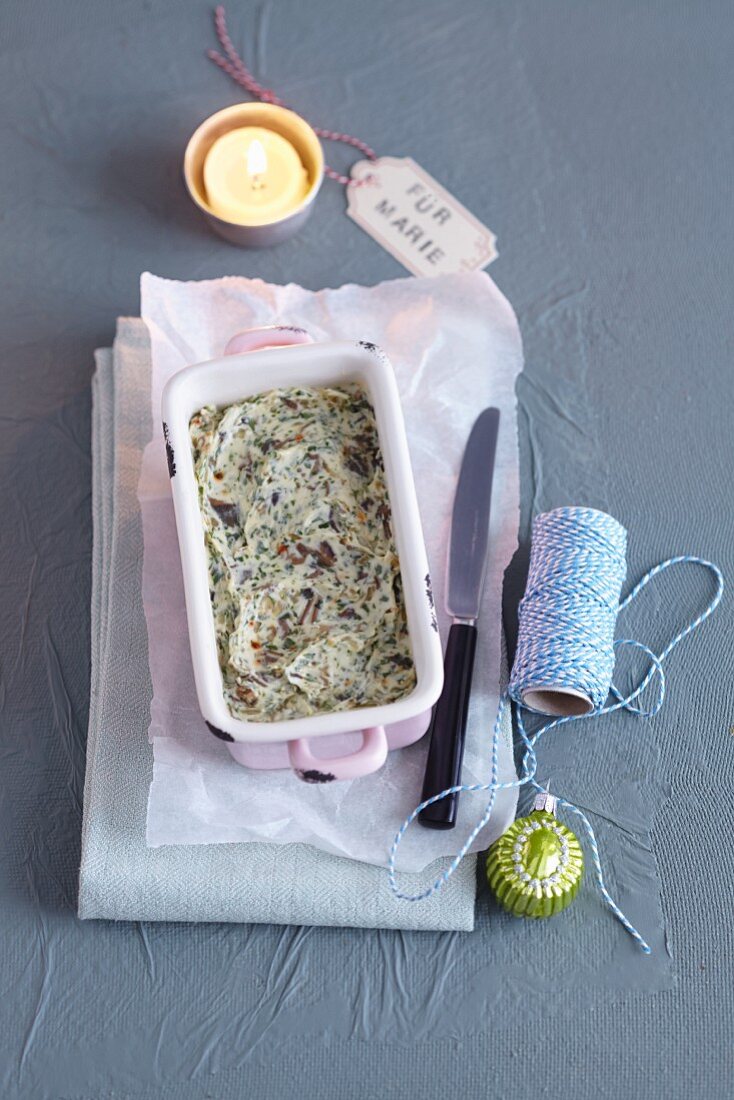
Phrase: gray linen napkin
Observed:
(120, 877)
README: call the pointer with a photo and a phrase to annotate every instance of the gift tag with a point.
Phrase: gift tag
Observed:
(416, 220)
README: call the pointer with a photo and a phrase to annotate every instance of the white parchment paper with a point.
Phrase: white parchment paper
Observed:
(455, 346)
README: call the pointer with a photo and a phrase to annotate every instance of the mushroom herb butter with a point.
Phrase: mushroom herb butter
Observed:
(303, 572)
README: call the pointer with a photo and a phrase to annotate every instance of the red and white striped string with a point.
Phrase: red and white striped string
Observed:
(233, 65)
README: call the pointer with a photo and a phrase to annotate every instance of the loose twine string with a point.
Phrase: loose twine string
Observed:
(566, 638)
(233, 65)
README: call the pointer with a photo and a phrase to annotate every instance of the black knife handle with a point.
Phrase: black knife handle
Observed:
(448, 728)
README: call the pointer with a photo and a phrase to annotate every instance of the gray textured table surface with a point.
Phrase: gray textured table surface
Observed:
(596, 140)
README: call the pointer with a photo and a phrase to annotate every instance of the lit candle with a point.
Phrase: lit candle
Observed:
(254, 176)
(254, 170)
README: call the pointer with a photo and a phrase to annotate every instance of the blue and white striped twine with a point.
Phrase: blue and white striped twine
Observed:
(566, 639)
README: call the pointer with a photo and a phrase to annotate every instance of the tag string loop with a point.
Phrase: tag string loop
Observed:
(573, 585)
(232, 64)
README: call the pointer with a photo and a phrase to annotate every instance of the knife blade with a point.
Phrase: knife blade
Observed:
(466, 568)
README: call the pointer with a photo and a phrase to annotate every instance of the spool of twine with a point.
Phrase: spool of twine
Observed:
(565, 648)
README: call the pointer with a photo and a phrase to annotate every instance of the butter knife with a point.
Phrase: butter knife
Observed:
(467, 563)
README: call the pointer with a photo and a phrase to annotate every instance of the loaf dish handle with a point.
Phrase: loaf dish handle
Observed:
(320, 769)
(272, 336)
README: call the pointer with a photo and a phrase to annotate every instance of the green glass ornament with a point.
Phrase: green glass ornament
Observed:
(536, 866)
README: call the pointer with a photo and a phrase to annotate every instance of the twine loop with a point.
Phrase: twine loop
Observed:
(567, 620)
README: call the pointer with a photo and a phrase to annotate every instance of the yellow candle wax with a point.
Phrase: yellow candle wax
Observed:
(254, 176)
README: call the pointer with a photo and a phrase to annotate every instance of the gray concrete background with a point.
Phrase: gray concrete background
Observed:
(596, 141)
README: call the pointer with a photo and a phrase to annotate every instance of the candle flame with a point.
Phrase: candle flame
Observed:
(257, 161)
